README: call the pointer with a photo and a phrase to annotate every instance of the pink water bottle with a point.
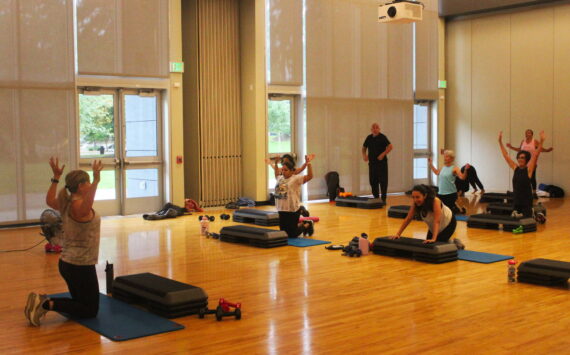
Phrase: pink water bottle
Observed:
(204, 225)
(512, 271)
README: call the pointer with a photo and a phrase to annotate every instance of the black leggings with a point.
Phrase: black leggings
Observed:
(449, 200)
(533, 178)
(84, 289)
(444, 235)
(289, 222)
(378, 175)
(472, 179)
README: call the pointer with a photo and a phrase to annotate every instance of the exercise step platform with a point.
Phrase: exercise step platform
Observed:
(254, 236)
(435, 253)
(545, 272)
(491, 221)
(400, 211)
(497, 197)
(369, 203)
(501, 208)
(165, 297)
(259, 217)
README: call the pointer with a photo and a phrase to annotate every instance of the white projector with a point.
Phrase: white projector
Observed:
(400, 11)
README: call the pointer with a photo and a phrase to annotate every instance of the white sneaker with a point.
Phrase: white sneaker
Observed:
(34, 308)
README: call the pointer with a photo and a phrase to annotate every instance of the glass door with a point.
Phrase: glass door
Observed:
(123, 129)
(141, 154)
(280, 128)
(99, 135)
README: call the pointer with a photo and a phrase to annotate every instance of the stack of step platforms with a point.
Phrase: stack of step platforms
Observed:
(435, 253)
(544, 272)
(259, 217)
(165, 297)
(360, 202)
(489, 221)
(496, 197)
(254, 236)
(400, 211)
(506, 209)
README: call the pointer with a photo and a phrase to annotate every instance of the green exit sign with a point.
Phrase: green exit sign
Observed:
(442, 84)
(177, 67)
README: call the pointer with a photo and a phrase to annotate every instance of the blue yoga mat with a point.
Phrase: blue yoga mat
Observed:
(480, 257)
(120, 321)
(304, 242)
(461, 217)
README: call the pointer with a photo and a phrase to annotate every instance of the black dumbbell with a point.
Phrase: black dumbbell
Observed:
(224, 216)
(203, 311)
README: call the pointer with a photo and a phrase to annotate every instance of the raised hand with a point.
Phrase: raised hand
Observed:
(501, 137)
(97, 166)
(509, 145)
(542, 136)
(54, 164)
(309, 158)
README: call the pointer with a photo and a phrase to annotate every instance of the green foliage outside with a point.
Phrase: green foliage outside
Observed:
(279, 126)
(97, 123)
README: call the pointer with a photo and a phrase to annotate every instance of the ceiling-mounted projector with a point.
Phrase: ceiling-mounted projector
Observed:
(400, 11)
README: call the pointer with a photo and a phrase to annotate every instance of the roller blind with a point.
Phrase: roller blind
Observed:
(358, 72)
(427, 53)
(286, 42)
(37, 101)
(122, 37)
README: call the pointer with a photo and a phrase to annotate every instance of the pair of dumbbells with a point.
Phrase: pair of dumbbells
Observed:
(210, 218)
(224, 216)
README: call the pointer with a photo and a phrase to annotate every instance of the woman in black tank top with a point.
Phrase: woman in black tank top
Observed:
(523, 169)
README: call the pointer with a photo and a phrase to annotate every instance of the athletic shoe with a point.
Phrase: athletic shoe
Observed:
(458, 244)
(308, 228)
(304, 211)
(36, 311)
(29, 305)
(518, 230)
(540, 218)
(516, 214)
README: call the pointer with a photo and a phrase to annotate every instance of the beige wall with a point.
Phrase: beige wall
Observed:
(509, 72)
(176, 129)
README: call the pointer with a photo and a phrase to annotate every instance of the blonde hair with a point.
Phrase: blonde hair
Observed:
(72, 181)
(449, 152)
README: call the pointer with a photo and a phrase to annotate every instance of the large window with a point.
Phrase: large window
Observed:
(421, 142)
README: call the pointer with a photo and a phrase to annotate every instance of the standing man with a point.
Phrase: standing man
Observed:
(378, 147)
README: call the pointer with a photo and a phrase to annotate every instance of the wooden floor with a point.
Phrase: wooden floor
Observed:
(308, 300)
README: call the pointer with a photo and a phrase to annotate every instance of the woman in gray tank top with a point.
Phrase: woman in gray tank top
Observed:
(82, 228)
(439, 218)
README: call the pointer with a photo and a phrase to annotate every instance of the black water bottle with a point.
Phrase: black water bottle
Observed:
(110, 277)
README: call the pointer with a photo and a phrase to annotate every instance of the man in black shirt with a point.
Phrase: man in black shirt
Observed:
(378, 147)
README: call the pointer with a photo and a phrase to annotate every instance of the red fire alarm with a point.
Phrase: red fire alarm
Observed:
(179, 159)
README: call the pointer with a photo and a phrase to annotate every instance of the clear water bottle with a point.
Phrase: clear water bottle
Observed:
(204, 225)
(512, 271)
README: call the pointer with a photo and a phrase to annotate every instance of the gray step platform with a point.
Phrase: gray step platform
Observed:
(254, 236)
(501, 208)
(489, 221)
(163, 296)
(259, 217)
(496, 197)
(435, 253)
(400, 211)
(360, 202)
(545, 272)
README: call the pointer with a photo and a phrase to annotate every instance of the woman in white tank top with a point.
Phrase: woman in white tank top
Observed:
(439, 218)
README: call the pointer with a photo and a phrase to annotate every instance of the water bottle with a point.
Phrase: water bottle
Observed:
(204, 225)
(512, 271)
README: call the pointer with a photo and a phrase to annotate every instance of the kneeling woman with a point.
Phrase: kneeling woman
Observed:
(441, 222)
(288, 199)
